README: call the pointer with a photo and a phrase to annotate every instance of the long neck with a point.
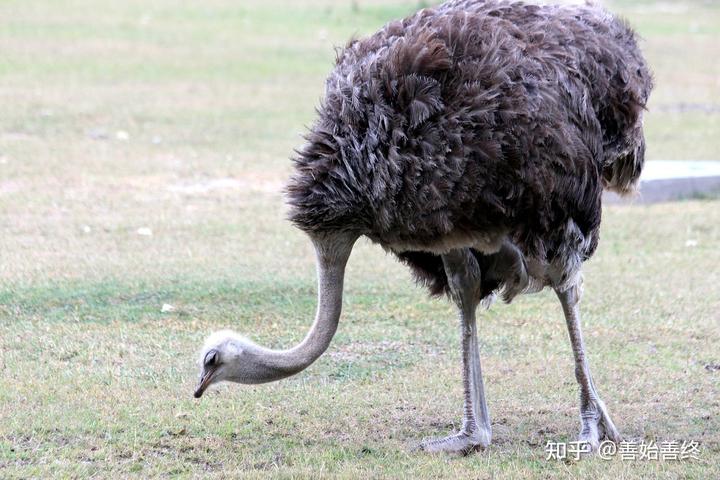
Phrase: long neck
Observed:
(332, 252)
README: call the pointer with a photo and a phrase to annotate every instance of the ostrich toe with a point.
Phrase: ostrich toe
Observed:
(597, 426)
(462, 443)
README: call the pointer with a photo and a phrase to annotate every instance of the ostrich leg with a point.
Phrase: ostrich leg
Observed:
(463, 274)
(596, 424)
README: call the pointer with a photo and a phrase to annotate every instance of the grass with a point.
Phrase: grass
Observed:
(123, 116)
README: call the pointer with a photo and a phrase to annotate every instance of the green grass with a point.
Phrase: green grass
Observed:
(95, 381)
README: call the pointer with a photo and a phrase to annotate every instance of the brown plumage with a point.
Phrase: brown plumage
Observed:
(474, 123)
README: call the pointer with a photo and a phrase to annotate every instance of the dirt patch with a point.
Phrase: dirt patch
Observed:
(205, 187)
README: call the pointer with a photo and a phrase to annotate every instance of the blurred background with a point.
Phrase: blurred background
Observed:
(137, 114)
(143, 149)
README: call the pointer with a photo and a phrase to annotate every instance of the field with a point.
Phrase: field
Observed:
(143, 146)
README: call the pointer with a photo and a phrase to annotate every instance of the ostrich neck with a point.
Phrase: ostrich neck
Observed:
(332, 252)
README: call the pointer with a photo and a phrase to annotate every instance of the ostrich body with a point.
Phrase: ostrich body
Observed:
(473, 141)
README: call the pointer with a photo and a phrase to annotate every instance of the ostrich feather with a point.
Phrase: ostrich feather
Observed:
(473, 121)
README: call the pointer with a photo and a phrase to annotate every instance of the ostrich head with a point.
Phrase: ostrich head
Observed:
(223, 358)
(228, 356)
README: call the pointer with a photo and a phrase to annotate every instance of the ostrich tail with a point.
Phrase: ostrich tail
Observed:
(622, 175)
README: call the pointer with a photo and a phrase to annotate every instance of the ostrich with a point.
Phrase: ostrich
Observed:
(472, 140)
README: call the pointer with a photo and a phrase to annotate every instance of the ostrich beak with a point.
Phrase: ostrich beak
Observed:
(205, 380)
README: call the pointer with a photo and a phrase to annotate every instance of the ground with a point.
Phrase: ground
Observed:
(142, 148)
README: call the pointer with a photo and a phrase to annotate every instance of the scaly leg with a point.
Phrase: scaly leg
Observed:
(463, 275)
(596, 424)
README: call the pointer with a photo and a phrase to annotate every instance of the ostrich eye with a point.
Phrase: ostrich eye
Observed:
(211, 358)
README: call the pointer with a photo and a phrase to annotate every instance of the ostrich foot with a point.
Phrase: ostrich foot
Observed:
(461, 443)
(597, 426)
